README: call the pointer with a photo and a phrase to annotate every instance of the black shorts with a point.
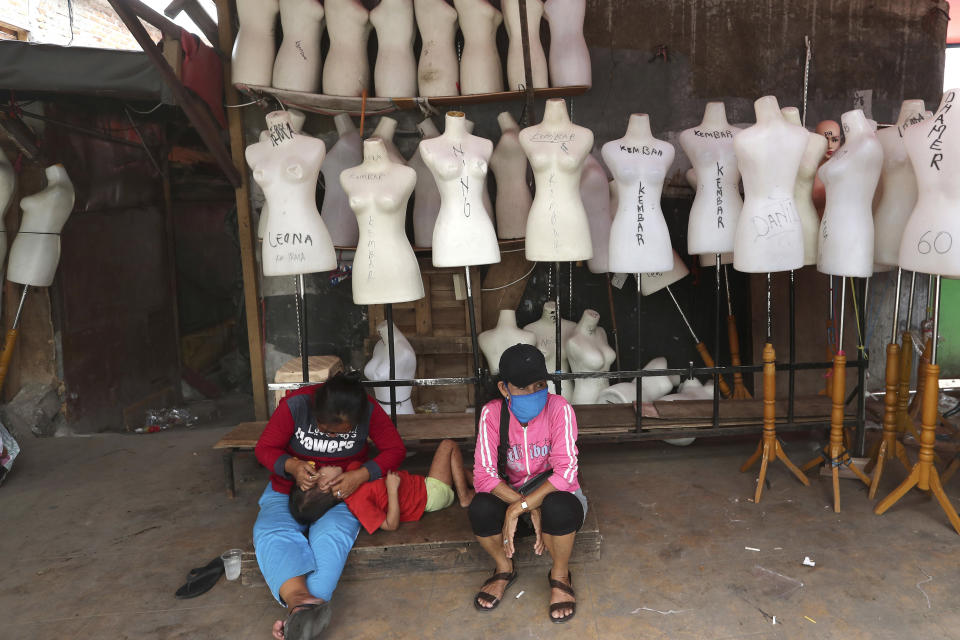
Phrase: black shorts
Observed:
(560, 514)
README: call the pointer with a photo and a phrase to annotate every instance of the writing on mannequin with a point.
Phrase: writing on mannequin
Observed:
(298, 62)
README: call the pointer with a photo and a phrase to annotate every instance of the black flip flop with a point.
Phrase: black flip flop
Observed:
(213, 564)
(307, 621)
(568, 589)
(486, 597)
(201, 580)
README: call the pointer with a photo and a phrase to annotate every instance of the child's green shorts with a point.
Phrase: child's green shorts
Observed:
(439, 495)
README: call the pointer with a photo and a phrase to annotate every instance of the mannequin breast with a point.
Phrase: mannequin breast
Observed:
(639, 238)
(253, 50)
(931, 238)
(716, 205)
(803, 196)
(395, 72)
(438, 68)
(898, 196)
(480, 70)
(769, 236)
(589, 353)
(346, 70)
(569, 57)
(509, 165)
(595, 193)
(846, 230)
(463, 234)
(298, 62)
(516, 78)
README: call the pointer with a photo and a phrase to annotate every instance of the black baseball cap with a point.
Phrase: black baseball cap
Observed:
(522, 364)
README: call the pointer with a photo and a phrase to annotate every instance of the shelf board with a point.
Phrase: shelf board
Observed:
(331, 105)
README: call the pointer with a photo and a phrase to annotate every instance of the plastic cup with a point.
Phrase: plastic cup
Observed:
(231, 563)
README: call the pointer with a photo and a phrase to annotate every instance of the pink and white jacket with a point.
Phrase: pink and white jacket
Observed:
(548, 441)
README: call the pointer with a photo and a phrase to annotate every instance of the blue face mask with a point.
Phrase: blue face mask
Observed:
(527, 407)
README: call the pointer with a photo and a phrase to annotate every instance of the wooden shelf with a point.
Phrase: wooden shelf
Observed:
(332, 105)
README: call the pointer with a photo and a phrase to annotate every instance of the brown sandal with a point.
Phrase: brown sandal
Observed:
(486, 597)
(570, 604)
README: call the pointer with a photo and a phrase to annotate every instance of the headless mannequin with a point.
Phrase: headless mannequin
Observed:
(494, 342)
(557, 227)
(639, 238)
(426, 196)
(385, 130)
(480, 70)
(395, 72)
(385, 269)
(252, 60)
(650, 283)
(830, 130)
(335, 211)
(378, 368)
(35, 252)
(346, 70)
(769, 236)
(438, 69)
(569, 57)
(516, 80)
(850, 177)
(463, 234)
(803, 191)
(297, 118)
(931, 238)
(898, 186)
(716, 207)
(509, 165)
(8, 183)
(546, 331)
(298, 62)
(595, 193)
(654, 388)
(286, 166)
(588, 350)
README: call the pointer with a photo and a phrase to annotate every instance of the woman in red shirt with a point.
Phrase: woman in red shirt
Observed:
(327, 424)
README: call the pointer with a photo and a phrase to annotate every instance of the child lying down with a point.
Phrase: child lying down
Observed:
(399, 497)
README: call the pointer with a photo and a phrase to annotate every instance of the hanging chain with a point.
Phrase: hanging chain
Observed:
(570, 296)
(806, 78)
(296, 303)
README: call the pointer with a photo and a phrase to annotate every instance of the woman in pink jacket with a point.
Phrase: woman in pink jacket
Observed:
(534, 472)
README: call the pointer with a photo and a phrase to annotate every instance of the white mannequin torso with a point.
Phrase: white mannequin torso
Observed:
(803, 191)
(850, 177)
(438, 69)
(509, 165)
(463, 234)
(335, 211)
(494, 342)
(252, 59)
(595, 193)
(545, 329)
(557, 227)
(385, 269)
(35, 252)
(395, 71)
(569, 58)
(298, 62)
(769, 236)
(346, 70)
(650, 283)
(898, 186)
(538, 61)
(385, 130)
(286, 166)
(716, 207)
(931, 238)
(639, 238)
(405, 368)
(480, 70)
(588, 350)
(297, 119)
(426, 196)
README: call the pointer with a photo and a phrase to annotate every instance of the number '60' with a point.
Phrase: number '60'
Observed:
(941, 243)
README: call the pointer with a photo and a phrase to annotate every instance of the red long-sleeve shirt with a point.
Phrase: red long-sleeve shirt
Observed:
(292, 432)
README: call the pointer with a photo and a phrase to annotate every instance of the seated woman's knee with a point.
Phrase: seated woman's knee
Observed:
(561, 513)
(486, 513)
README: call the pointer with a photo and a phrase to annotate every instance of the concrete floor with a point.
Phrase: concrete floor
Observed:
(98, 532)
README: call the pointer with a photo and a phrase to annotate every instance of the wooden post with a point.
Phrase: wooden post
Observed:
(248, 258)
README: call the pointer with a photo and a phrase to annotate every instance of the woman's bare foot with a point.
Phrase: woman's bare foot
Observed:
(292, 605)
(495, 588)
(559, 595)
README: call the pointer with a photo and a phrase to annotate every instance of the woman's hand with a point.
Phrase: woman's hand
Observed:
(304, 473)
(510, 528)
(538, 545)
(349, 482)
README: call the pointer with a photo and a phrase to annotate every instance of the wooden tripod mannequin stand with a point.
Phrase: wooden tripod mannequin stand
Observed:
(889, 446)
(769, 448)
(924, 475)
(739, 390)
(835, 452)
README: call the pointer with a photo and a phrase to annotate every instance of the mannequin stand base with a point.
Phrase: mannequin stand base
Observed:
(882, 452)
(769, 450)
(935, 486)
(837, 457)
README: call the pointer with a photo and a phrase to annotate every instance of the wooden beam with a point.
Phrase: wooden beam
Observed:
(167, 28)
(198, 115)
(199, 16)
(248, 259)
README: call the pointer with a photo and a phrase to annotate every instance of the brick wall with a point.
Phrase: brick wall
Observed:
(95, 24)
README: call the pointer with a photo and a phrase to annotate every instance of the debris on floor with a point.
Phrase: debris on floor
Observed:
(807, 562)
